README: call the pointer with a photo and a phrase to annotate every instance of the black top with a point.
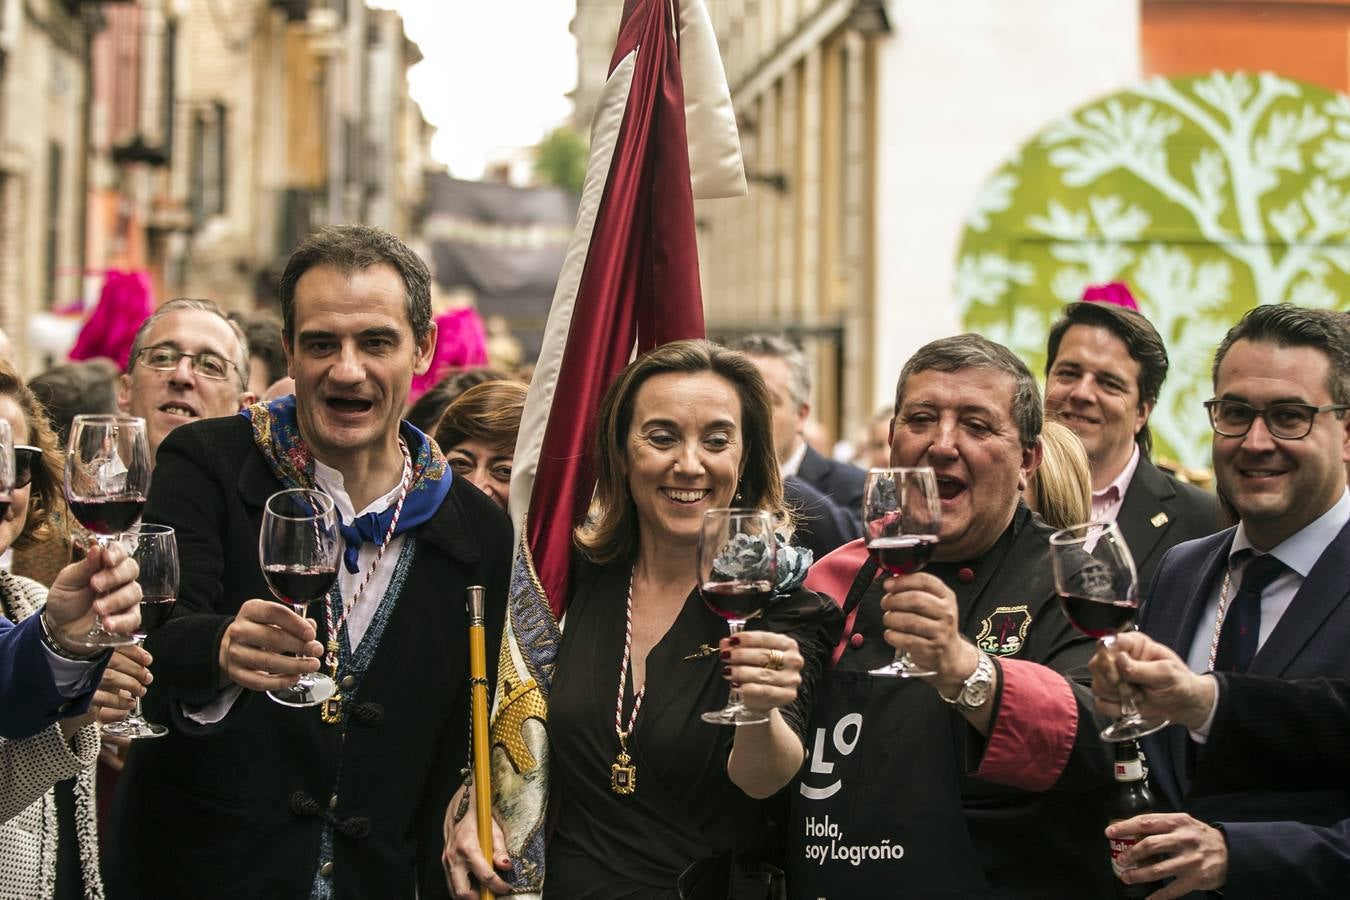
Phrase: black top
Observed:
(255, 804)
(684, 808)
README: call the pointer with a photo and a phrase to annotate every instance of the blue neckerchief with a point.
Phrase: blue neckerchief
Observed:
(276, 433)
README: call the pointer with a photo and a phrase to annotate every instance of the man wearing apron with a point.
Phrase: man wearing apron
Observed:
(985, 779)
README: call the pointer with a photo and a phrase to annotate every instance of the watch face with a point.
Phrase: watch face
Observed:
(974, 695)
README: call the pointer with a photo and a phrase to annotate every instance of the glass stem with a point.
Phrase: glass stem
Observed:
(136, 715)
(734, 694)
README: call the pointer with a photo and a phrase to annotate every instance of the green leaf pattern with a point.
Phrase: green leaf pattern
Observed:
(1206, 195)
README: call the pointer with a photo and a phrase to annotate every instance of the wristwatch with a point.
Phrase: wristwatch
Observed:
(975, 691)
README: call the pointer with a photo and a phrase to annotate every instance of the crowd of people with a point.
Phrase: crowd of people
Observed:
(985, 777)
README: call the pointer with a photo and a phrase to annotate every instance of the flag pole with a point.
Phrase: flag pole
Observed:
(482, 775)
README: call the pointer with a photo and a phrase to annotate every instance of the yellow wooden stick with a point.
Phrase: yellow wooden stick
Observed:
(482, 770)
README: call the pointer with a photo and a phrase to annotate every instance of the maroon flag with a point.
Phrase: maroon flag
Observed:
(630, 281)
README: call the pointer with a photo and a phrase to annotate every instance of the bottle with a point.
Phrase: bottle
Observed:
(1130, 797)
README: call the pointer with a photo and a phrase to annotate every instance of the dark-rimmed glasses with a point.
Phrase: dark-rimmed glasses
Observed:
(206, 364)
(26, 459)
(1287, 421)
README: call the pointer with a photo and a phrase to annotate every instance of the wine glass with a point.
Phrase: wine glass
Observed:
(107, 475)
(1099, 590)
(298, 547)
(901, 515)
(737, 571)
(155, 549)
(7, 467)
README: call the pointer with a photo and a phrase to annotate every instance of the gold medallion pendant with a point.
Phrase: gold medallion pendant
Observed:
(623, 774)
(330, 711)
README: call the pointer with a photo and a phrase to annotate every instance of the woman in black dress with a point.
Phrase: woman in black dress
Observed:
(684, 429)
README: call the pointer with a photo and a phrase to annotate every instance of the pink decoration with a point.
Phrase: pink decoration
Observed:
(461, 343)
(1115, 293)
(126, 301)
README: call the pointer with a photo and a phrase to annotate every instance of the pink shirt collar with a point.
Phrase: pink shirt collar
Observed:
(1106, 503)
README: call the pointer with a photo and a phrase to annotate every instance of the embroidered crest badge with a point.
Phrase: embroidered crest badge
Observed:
(1004, 631)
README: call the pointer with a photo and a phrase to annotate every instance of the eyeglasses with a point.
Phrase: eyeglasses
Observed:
(206, 364)
(1288, 421)
(25, 460)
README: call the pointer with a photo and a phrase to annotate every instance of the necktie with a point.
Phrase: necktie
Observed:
(1242, 625)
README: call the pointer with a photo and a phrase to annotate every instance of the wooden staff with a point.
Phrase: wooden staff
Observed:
(482, 774)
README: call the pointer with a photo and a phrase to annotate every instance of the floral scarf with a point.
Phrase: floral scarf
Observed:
(277, 436)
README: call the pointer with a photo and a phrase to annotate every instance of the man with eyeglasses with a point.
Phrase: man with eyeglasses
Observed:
(188, 361)
(1105, 366)
(1268, 597)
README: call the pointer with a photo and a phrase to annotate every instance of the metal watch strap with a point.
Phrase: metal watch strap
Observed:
(51, 643)
(983, 675)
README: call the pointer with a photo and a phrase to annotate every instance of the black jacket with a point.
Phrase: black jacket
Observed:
(841, 482)
(239, 809)
(1160, 512)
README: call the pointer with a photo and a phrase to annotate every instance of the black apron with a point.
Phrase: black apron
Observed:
(878, 809)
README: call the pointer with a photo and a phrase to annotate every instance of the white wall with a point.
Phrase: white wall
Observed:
(962, 85)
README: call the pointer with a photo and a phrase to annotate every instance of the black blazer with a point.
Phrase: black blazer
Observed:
(239, 809)
(1160, 512)
(1269, 733)
(839, 481)
(822, 526)
(1281, 843)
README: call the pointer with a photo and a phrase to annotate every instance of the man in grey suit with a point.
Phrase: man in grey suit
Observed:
(1105, 365)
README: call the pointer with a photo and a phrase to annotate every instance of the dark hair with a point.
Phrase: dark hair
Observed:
(46, 493)
(240, 360)
(772, 346)
(1286, 325)
(973, 351)
(1141, 341)
(75, 388)
(351, 249)
(489, 412)
(427, 410)
(262, 332)
(611, 533)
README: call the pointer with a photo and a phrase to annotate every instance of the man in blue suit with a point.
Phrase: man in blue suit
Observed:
(45, 673)
(1268, 597)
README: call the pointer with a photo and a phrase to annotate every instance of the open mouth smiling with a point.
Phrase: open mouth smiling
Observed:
(177, 408)
(686, 496)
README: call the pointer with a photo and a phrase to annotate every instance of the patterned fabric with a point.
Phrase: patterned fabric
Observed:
(355, 664)
(28, 769)
(277, 436)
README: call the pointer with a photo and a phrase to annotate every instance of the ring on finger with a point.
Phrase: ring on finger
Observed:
(775, 662)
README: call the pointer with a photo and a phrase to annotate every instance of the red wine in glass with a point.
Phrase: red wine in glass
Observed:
(156, 555)
(1098, 617)
(904, 554)
(107, 475)
(300, 585)
(108, 516)
(154, 612)
(298, 549)
(737, 568)
(737, 600)
(1098, 588)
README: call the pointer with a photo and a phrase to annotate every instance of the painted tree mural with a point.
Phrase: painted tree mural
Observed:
(1205, 195)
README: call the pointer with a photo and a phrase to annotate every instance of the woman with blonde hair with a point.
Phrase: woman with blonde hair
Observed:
(1061, 488)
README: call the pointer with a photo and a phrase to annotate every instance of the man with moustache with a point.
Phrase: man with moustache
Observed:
(249, 798)
(1105, 365)
(1267, 597)
(983, 778)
